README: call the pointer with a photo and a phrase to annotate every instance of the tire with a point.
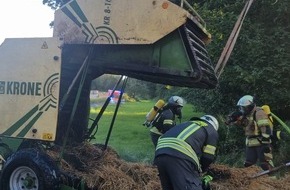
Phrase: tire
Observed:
(29, 169)
(32, 144)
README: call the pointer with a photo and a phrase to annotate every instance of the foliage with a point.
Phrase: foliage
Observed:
(105, 83)
(140, 90)
(135, 88)
(259, 64)
(281, 150)
(54, 4)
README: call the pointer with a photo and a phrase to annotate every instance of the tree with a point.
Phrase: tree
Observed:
(105, 82)
(54, 4)
(259, 63)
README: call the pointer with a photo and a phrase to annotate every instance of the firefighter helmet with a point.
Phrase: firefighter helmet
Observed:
(176, 101)
(246, 104)
(211, 120)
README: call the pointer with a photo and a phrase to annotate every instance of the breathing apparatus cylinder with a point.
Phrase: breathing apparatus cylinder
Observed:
(267, 110)
(153, 112)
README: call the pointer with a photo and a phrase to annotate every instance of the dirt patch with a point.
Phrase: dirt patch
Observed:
(106, 171)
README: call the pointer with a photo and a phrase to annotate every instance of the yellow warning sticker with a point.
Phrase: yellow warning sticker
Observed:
(47, 136)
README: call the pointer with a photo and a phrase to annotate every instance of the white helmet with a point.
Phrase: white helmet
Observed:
(176, 101)
(246, 104)
(246, 100)
(211, 120)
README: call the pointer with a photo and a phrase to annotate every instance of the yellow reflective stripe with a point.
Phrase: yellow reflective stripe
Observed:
(180, 146)
(176, 147)
(209, 149)
(200, 123)
(252, 142)
(268, 157)
(179, 142)
(265, 135)
(278, 135)
(261, 122)
(168, 121)
(155, 130)
(188, 131)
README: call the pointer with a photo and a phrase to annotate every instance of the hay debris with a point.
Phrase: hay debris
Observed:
(104, 170)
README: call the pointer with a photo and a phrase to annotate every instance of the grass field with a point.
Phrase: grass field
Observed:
(129, 137)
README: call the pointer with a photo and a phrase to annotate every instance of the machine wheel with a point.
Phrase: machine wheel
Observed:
(28, 143)
(29, 169)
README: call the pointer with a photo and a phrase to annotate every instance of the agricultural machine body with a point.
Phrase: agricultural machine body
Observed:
(46, 81)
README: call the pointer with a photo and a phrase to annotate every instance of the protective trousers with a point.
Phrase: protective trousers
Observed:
(255, 153)
(177, 174)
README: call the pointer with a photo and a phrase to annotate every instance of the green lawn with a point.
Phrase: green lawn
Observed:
(129, 137)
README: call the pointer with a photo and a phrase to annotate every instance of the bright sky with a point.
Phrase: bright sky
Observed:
(25, 18)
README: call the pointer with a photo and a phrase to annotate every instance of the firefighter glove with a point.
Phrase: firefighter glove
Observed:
(206, 182)
(233, 117)
(266, 140)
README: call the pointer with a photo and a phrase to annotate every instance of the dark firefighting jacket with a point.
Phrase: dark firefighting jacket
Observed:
(164, 122)
(194, 141)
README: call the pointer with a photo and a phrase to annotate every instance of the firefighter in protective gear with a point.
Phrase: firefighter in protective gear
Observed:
(166, 119)
(185, 151)
(258, 132)
(236, 117)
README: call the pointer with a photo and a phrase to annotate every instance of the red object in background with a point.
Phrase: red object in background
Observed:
(115, 96)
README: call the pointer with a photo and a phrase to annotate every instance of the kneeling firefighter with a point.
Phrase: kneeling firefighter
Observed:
(165, 120)
(185, 151)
